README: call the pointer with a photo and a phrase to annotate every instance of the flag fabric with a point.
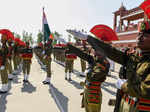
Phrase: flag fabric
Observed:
(51, 36)
(45, 28)
(145, 6)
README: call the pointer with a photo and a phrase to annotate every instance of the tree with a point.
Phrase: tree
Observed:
(69, 38)
(40, 37)
(27, 37)
(16, 35)
(56, 34)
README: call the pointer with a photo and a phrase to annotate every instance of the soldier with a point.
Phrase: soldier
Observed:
(69, 62)
(83, 67)
(83, 62)
(47, 60)
(9, 59)
(97, 72)
(16, 56)
(3, 71)
(122, 78)
(40, 54)
(137, 71)
(27, 55)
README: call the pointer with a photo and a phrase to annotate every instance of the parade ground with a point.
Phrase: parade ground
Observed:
(59, 96)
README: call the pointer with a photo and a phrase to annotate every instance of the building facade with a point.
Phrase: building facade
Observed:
(126, 26)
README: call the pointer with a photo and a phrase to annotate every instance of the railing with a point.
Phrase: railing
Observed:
(131, 27)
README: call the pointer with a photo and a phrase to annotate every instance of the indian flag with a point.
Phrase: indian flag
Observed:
(45, 28)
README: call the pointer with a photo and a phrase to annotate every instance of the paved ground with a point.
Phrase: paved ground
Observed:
(60, 96)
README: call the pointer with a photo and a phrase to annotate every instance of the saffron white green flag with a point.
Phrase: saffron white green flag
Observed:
(45, 28)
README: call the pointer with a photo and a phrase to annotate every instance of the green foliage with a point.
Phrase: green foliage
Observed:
(69, 38)
(40, 37)
(55, 34)
(16, 35)
(27, 37)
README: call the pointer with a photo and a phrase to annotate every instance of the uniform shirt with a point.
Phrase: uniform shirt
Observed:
(3, 54)
(10, 50)
(27, 53)
(98, 66)
(16, 49)
(48, 50)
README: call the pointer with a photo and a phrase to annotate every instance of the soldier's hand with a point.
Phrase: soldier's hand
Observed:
(120, 82)
(43, 52)
(82, 84)
(44, 57)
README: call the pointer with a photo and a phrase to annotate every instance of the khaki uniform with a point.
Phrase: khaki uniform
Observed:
(98, 69)
(47, 51)
(26, 66)
(59, 52)
(69, 65)
(3, 58)
(47, 62)
(83, 62)
(9, 60)
(16, 57)
(27, 55)
(69, 62)
(83, 65)
(138, 75)
(47, 59)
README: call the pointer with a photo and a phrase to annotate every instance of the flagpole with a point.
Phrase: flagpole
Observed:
(43, 26)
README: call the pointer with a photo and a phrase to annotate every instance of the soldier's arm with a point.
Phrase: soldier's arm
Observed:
(81, 54)
(3, 60)
(4, 55)
(108, 50)
(139, 89)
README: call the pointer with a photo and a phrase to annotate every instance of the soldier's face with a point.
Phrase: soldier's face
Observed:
(143, 41)
(3, 38)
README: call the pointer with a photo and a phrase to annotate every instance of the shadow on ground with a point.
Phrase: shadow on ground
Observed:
(28, 87)
(105, 86)
(75, 84)
(16, 79)
(3, 100)
(109, 84)
(59, 98)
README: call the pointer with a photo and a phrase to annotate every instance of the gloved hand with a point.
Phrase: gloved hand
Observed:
(2, 67)
(43, 52)
(78, 34)
(44, 57)
(120, 82)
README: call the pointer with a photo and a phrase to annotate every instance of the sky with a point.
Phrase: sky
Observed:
(19, 15)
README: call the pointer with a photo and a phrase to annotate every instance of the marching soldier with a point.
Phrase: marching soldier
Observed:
(97, 71)
(27, 55)
(3, 57)
(16, 56)
(40, 54)
(47, 60)
(9, 59)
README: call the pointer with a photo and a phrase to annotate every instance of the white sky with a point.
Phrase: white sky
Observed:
(19, 15)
